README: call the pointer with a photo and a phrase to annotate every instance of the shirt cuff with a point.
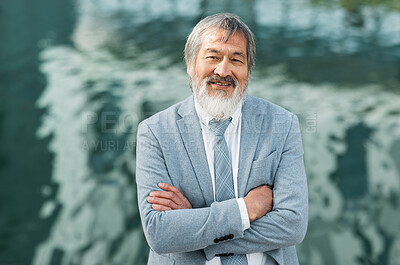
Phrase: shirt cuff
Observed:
(243, 214)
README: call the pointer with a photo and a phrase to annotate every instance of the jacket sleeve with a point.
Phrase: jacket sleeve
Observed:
(286, 224)
(177, 230)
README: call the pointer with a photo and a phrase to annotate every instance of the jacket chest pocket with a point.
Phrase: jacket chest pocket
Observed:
(262, 172)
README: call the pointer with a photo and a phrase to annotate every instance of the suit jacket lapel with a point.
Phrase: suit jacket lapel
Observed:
(250, 134)
(190, 130)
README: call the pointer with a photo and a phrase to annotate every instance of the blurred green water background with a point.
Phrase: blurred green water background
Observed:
(76, 77)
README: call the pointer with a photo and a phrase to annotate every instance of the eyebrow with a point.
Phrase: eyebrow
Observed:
(212, 50)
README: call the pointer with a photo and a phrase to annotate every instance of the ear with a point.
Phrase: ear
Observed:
(187, 67)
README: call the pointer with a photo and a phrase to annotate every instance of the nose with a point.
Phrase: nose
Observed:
(223, 68)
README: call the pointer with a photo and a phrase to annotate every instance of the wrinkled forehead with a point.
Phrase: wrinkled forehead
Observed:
(219, 38)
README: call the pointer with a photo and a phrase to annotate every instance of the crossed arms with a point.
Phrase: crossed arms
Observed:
(184, 229)
(258, 201)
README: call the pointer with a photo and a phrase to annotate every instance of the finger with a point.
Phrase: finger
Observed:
(167, 195)
(164, 202)
(167, 187)
(160, 208)
(162, 194)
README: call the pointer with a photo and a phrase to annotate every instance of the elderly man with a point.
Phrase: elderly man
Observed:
(220, 175)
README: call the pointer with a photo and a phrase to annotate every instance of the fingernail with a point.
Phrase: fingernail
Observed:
(149, 199)
(151, 193)
(161, 184)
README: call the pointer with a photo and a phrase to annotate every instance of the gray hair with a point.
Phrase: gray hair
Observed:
(230, 23)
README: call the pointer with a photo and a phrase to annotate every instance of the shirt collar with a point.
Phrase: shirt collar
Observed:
(205, 118)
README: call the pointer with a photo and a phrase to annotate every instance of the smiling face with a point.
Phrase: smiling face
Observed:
(222, 65)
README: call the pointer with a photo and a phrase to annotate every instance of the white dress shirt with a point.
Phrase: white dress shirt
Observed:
(232, 138)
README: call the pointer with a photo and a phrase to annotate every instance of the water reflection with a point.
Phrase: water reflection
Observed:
(333, 67)
(25, 162)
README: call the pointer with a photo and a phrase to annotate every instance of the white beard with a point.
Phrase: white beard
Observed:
(218, 106)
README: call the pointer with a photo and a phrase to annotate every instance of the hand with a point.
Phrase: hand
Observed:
(169, 199)
(259, 202)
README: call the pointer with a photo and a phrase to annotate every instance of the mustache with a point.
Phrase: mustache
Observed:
(216, 78)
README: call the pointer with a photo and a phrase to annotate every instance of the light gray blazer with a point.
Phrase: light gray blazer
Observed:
(170, 149)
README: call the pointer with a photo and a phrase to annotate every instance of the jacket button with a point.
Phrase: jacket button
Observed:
(216, 240)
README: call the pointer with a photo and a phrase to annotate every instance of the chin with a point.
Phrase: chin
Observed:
(219, 104)
(220, 93)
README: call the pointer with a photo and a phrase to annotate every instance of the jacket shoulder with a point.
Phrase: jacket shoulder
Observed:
(266, 107)
(166, 117)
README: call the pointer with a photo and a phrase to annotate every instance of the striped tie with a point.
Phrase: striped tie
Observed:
(224, 177)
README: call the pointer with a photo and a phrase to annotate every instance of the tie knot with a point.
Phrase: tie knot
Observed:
(218, 126)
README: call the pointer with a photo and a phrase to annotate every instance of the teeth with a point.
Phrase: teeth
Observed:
(221, 84)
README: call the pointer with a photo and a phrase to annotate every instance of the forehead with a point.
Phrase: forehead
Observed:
(213, 39)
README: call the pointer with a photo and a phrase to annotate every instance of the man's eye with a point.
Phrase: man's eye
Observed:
(237, 61)
(212, 57)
